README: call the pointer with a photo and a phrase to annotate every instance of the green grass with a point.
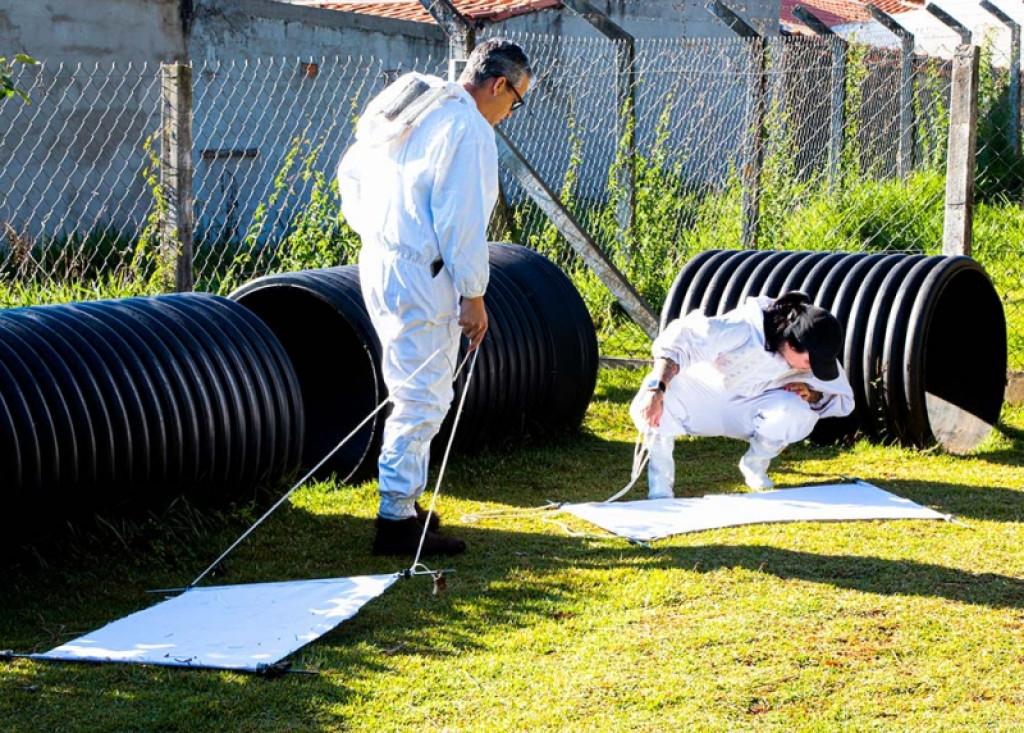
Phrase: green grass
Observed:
(912, 625)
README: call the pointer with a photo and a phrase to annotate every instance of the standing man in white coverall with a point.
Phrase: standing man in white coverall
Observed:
(418, 185)
(764, 372)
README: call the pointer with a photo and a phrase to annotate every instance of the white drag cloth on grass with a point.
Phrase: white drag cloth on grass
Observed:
(239, 627)
(656, 518)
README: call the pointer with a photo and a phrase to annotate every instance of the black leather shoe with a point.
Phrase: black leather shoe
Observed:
(421, 514)
(402, 537)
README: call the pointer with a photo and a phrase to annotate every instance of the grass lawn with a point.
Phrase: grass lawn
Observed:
(888, 625)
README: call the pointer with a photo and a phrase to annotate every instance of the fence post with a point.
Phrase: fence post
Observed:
(906, 147)
(963, 137)
(950, 22)
(837, 114)
(176, 173)
(754, 157)
(1013, 93)
(461, 33)
(625, 107)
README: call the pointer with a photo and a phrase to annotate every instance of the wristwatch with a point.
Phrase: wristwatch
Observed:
(653, 383)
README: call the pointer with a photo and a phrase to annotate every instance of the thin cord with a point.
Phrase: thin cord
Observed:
(474, 517)
(312, 471)
(444, 460)
(641, 454)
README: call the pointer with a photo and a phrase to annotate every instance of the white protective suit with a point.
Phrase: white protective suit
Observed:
(728, 385)
(418, 187)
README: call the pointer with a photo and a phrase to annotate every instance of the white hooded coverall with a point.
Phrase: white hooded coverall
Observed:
(419, 190)
(728, 385)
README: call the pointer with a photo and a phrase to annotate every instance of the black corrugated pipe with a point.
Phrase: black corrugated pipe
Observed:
(925, 337)
(110, 400)
(536, 371)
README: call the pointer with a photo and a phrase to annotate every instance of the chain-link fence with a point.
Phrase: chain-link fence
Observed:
(658, 148)
(73, 175)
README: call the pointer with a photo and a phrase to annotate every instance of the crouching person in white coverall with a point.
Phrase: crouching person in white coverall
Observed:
(765, 372)
(418, 186)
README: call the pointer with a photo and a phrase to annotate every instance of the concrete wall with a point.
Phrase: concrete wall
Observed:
(74, 160)
(255, 100)
(258, 100)
(250, 29)
(93, 31)
(650, 19)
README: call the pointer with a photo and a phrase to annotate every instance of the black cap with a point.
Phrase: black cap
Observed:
(820, 335)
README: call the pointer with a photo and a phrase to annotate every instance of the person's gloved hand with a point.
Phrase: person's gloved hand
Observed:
(803, 391)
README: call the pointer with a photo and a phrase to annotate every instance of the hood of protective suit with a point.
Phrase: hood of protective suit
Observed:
(393, 113)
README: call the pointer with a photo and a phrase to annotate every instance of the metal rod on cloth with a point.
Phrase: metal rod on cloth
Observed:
(444, 460)
(312, 471)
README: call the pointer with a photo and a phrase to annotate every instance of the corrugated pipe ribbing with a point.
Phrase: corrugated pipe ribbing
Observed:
(536, 370)
(925, 336)
(111, 400)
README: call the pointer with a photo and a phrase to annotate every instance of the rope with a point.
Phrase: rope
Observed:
(641, 454)
(444, 462)
(475, 517)
(312, 471)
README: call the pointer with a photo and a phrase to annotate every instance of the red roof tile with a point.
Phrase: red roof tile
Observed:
(840, 12)
(483, 10)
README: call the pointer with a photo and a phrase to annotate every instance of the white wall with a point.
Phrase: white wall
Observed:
(934, 38)
(74, 160)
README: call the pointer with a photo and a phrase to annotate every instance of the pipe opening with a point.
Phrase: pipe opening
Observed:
(336, 367)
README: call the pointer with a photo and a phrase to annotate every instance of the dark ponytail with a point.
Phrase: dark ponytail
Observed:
(778, 318)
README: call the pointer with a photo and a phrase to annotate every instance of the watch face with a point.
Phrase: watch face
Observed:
(652, 384)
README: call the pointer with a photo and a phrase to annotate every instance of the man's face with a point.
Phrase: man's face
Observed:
(499, 96)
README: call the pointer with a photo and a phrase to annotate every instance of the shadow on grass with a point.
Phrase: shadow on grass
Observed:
(858, 572)
(1012, 456)
(44, 607)
(507, 579)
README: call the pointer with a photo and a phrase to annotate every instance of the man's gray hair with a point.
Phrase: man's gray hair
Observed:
(493, 58)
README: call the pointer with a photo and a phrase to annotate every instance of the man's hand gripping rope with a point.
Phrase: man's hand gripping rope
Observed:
(316, 468)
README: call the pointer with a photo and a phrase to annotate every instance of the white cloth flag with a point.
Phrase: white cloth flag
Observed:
(656, 518)
(240, 627)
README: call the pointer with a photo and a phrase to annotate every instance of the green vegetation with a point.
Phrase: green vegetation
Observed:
(884, 625)
(7, 87)
(316, 235)
(865, 209)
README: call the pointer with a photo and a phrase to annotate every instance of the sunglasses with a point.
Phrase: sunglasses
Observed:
(519, 100)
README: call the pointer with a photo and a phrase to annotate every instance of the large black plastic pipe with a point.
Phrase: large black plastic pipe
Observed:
(113, 400)
(925, 337)
(536, 370)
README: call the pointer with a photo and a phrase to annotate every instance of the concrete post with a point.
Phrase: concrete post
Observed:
(963, 137)
(176, 174)
(753, 161)
(585, 247)
(906, 146)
